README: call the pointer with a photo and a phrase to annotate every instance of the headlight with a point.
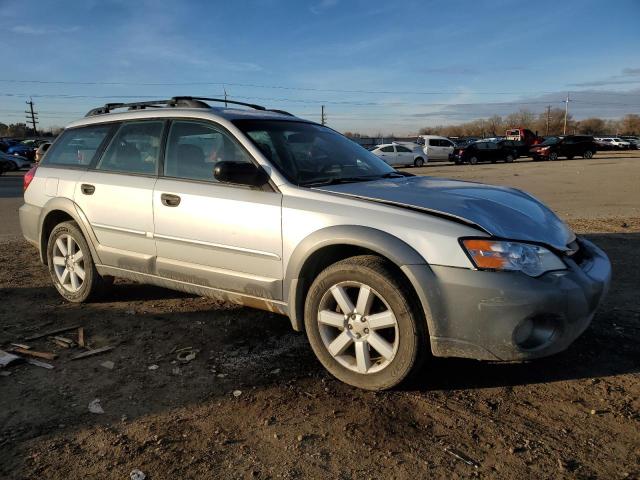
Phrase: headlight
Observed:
(532, 260)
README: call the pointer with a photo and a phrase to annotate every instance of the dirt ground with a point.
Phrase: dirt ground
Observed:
(255, 403)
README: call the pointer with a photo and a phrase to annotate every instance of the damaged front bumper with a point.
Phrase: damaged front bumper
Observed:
(510, 316)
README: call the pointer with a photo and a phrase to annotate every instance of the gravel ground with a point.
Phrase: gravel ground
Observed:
(254, 402)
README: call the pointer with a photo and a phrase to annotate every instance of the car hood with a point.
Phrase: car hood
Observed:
(500, 211)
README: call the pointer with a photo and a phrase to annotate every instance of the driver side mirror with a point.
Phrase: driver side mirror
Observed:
(240, 173)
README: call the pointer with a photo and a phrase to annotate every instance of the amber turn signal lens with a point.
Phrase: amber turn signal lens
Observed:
(485, 254)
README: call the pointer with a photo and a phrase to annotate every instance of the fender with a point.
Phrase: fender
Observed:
(69, 207)
(382, 243)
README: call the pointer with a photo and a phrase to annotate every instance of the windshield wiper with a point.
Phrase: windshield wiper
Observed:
(338, 180)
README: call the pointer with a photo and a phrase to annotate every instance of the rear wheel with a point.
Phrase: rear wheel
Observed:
(418, 162)
(71, 266)
(588, 154)
(13, 166)
(510, 158)
(362, 324)
(553, 156)
(473, 160)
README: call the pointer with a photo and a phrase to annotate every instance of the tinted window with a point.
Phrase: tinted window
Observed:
(434, 142)
(193, 149)
(387, 149)
(446, 143)
(402, 149)
(77, 146)
(135, 148)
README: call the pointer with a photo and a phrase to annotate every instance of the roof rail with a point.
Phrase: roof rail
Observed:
(184, 102)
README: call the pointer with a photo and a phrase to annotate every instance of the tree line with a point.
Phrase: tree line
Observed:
(549, 122)
(21, 130)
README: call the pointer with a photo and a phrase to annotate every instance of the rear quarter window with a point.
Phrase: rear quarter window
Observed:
(77, 146)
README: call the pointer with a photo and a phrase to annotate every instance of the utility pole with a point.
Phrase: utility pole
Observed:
(566, 114)
(323, 117)
(225, 96)
(548, 116)
(32, 116)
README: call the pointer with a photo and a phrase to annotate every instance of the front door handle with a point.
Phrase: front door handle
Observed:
(169, 200)
(87, 189)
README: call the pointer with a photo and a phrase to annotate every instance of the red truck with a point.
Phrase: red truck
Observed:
(523, 135)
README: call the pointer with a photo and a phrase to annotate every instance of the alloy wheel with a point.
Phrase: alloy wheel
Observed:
(357, 327)
(68, 263)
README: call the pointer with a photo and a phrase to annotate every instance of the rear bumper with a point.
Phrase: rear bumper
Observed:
(30, 223)
(510, 316)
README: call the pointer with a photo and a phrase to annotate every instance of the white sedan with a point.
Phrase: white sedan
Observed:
(400, 155)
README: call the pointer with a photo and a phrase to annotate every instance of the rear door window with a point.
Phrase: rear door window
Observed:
(387, 149)
(403, 149)
(135, 148)
(77, 146)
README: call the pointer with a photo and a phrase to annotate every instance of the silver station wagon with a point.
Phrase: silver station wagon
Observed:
(380, 268)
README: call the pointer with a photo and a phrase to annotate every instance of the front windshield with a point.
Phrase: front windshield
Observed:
(309, 154)
(551, 141)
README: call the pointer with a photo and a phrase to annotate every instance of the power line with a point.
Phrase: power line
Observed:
(284, 87)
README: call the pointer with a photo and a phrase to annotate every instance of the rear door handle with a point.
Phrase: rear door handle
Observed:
(87, 189)
(169, 200)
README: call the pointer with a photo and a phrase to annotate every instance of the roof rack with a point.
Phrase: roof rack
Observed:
(184, 102)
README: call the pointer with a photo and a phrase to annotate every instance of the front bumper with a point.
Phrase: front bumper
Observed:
(511, 316)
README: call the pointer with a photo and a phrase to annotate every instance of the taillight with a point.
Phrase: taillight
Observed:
(28, 177)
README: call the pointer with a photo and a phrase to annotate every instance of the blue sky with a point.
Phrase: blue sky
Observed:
(377, 66)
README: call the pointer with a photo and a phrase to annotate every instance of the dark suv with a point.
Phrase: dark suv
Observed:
(485, 152)
(565, 146)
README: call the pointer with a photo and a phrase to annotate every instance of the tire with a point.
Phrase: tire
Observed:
(510, 158)
(473, 160)
(368, 357)
(71, 285)
(588, 154)
(13, 166)
(418, 162)
(553, 156)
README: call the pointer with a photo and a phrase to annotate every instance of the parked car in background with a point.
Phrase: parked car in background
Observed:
(634, 142)
(22, 150)
(485, 151)
(15, 162)
(604, 144)
(616, 143)
(400, 155)
(523, 135)
(42, 149)
(261, 208)
(4, 165)
(568, 146)
(436, 147)
(521, 148)
(463, 142)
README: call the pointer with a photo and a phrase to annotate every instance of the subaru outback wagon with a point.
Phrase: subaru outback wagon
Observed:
(380, 268)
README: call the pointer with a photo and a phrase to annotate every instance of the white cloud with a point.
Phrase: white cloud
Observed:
(322, 5)
(43, 30)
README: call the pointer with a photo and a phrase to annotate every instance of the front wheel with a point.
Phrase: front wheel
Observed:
(588, 154)
(71, 266)
(510, 158)
(362, 323)
(418, 162)
(13, 166)
(473, 160)
(553, 156)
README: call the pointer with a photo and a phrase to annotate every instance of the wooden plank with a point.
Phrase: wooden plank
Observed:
(81, 337)
(38, 363)
(21, 345)
(51, 332)
(92, 352)
(33, 353)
